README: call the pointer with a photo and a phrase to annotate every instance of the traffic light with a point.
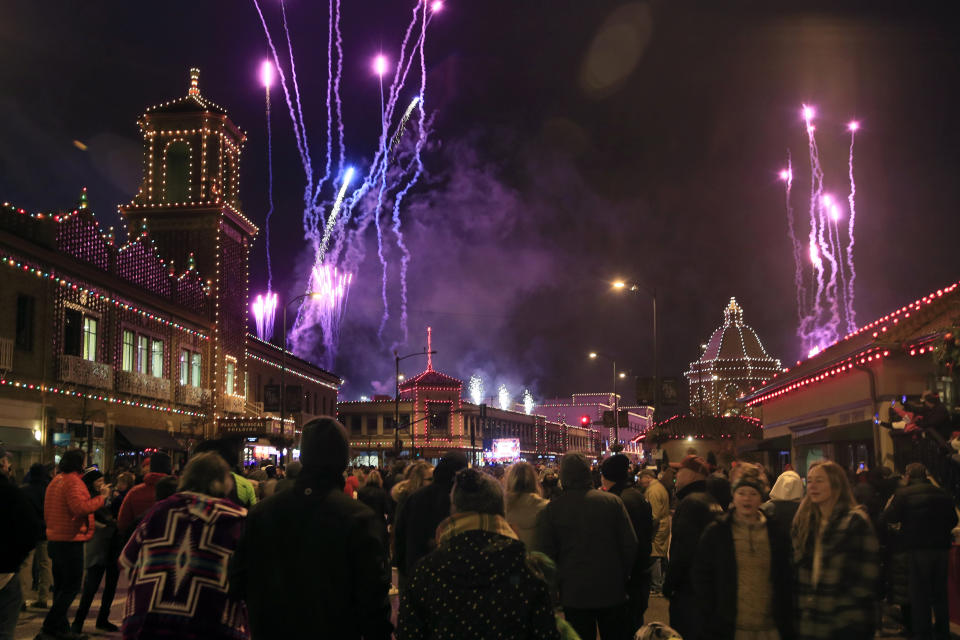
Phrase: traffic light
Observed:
(585, 421)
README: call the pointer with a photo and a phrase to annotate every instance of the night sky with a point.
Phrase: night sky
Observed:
(574, 141)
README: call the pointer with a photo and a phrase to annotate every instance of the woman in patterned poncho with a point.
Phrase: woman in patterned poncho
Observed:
(177, 561)
(837, 558)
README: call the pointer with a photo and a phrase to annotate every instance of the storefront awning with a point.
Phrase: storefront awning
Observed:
(138, 438)
(17, 439)
(845, 433)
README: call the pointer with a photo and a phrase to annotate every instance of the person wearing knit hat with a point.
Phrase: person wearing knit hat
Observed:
(742, 573)
(614, 478)
(324, 540)
(100, 556)
(588, 533)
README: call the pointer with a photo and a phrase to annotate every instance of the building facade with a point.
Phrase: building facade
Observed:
(127, 348)
(598, 408)
(829, 405)
(733, 361)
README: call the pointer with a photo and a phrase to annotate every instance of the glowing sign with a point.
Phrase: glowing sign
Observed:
(503, 449)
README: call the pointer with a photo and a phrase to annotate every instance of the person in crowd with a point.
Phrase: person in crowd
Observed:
(177, 558)
(258, 478)
(417, 520)
(523, 501)
(19, 534)
(476, 583)
(718, 486)
(417, 475)
(550, 484)
(125, 482)
(742, 574)
(140, 498)
(696, 509)
(589, 535)
(373, 495)
(659, 500)
(34, 488)
(335, 576)
(926, 516)
(165, 488)
(243, 492)
(270, 484)
(290, 475)
(668, 478)
(614, 478)
(933, 417)
(100, 559)
(836, 556)
(68, 511)
(784, 501)
(354, 481)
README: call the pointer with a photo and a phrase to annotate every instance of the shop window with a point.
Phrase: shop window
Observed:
(177, 174)
(156, 358)
(231, 375)
(25, 319)
(128, 354)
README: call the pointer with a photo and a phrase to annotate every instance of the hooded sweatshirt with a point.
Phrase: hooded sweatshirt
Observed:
(476, 584)
(784, 500)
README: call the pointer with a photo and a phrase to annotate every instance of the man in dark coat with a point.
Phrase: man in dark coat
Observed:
(589, 535)
(926, 516)
(416, 522)
(311, 560)
(18, 535)
(696, 510)
(614, 475)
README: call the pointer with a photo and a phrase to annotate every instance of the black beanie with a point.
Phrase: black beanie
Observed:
(90, 476)
(160, 463)
(575, 472)
(324, 446)
(447, 468)
(615, 468)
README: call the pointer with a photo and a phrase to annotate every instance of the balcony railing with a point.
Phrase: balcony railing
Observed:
(92, 374)
(193, 396)
(233, 404)
(6, 354)
(140, 384)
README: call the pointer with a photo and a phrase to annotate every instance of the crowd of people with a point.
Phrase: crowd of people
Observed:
(572, 550)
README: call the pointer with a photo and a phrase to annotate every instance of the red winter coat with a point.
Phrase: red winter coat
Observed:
(68, 509)
(138, 501)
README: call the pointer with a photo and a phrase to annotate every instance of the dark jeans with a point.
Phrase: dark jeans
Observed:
(91, 583)
(10, 601)
(928, 591)
(613, 622)
(685, 615)
(67, 559)
(638, 593)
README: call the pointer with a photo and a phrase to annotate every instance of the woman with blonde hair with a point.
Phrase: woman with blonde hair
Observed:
(836, 553)
(417, 475)
(523, 501)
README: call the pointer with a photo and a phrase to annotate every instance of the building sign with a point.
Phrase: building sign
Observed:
(244, 426)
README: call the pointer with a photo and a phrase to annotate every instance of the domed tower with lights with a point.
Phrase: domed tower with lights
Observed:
(733, 362)
(188, 203)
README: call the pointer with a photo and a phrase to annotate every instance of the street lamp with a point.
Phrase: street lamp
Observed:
(652, 292)
(396, 400)
(616, 414)
(283, 362)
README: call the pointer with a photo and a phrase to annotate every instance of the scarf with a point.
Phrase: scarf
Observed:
(473, 521)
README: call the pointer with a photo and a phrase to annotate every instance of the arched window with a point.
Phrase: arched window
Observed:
(177, 174)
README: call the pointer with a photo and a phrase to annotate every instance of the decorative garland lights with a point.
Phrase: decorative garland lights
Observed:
(318, 381)
(868, 355)
(40, 273)
(93, 396)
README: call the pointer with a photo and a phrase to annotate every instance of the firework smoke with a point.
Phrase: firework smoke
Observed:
(476, 389)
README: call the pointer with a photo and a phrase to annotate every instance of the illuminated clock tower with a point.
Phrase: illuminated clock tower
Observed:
(189, 203)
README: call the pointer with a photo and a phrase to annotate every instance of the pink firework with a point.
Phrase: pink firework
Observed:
(436, 6)
(264, 313)
(380, 65)
(266, 73)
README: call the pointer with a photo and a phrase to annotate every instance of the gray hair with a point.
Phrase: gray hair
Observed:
(476, 491)
(206, 473)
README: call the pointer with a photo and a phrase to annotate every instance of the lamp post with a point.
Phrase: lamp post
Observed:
(652, 292)
(396, 400)
(616, 414)
(283, 363)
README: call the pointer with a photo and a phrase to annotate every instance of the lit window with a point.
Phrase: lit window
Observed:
(143, 354)
(184, 367)
(89, 338)
(195, 378)
(231, 375)
(129, 353)
(156, 358)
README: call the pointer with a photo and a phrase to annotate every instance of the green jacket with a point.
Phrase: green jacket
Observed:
(245, 491)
